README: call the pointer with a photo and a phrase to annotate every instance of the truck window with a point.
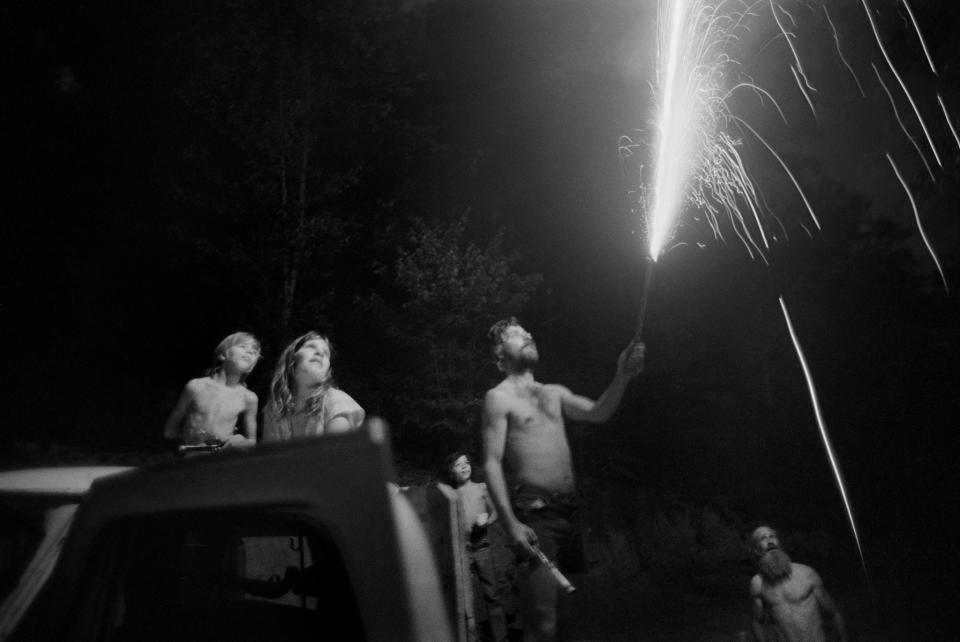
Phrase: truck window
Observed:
(231, 577)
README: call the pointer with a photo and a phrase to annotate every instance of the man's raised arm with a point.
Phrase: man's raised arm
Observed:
(494, 442)
(629, 364)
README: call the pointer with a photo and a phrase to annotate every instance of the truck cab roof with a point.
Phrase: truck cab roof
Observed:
(282, 542)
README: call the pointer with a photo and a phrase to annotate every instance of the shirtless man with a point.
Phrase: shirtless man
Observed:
(791, 596)
(212, 408)
(523, 425)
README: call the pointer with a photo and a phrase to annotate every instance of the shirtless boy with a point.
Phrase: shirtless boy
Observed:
(523, 427)
(790, 596)
(212, 409)
(477, 512)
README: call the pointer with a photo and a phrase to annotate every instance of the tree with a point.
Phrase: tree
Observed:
(300, 96)
(449, 291)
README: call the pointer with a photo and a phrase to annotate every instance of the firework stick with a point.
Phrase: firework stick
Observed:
(550, 566)
(647, 281)
(198, 448)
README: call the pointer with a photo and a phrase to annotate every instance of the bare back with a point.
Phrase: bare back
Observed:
(536, 449)
(792, 605)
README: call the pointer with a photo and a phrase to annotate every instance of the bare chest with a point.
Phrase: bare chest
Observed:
(473, 497)
(216, 401)
(790, 593)
(538, 410)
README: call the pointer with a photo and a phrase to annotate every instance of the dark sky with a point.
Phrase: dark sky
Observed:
(98, 310)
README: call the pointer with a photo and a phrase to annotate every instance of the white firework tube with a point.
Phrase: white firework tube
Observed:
(557, 575)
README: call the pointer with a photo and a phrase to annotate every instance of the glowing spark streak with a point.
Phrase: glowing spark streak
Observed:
(750, 196)
(803, 91)
(836, 39)
(946, 116)
(903, 86)
(824, 436)
(896, 113)
(668, 176)
(923, 42)
(759, 90)
(916, 215)
(696, 160)
(785, 169)
(787, 36)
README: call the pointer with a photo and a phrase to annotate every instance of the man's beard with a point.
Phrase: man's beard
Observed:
(775, 565)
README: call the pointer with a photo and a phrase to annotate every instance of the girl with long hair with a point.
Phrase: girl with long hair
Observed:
(304, 398)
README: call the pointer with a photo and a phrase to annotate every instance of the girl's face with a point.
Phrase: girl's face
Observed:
(312, 363)
(461, 469)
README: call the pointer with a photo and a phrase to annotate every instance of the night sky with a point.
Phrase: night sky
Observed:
(134, 208)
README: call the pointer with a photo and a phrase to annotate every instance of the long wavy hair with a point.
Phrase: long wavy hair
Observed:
(220, 352)
(283, 385)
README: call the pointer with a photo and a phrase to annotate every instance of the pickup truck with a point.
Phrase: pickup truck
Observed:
(303, 541)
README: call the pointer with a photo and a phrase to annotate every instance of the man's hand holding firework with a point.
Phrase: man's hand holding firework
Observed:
(523, 538)
(631, 361)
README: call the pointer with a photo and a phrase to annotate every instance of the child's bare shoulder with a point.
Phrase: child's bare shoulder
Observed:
(249, 396)
(196, 386)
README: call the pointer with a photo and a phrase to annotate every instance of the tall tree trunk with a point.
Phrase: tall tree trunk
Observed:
(297, 245)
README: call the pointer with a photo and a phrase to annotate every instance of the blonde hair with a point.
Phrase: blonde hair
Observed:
(219, 353)
(282, 386)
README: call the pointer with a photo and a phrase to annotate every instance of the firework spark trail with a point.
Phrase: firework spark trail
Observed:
(836, 40)
(896, 112)
(789, 36)
(805, 94)
(903, 86)
(916, 215)
(946, 117)
(799, 75)
(923, 42)
(824, 435)
(669, 177)
(696, 160)
(786, 169)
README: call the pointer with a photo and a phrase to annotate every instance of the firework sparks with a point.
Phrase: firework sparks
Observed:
(799, 75)
(916, 216)
(903, 128)
(923, 42)
(843, 59)
(946, 117)
(824, 435)
(697, 160)
(670, 172)
(903, 86)
(698, 139)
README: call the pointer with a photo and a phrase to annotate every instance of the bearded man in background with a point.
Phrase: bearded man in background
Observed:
(789, 600)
